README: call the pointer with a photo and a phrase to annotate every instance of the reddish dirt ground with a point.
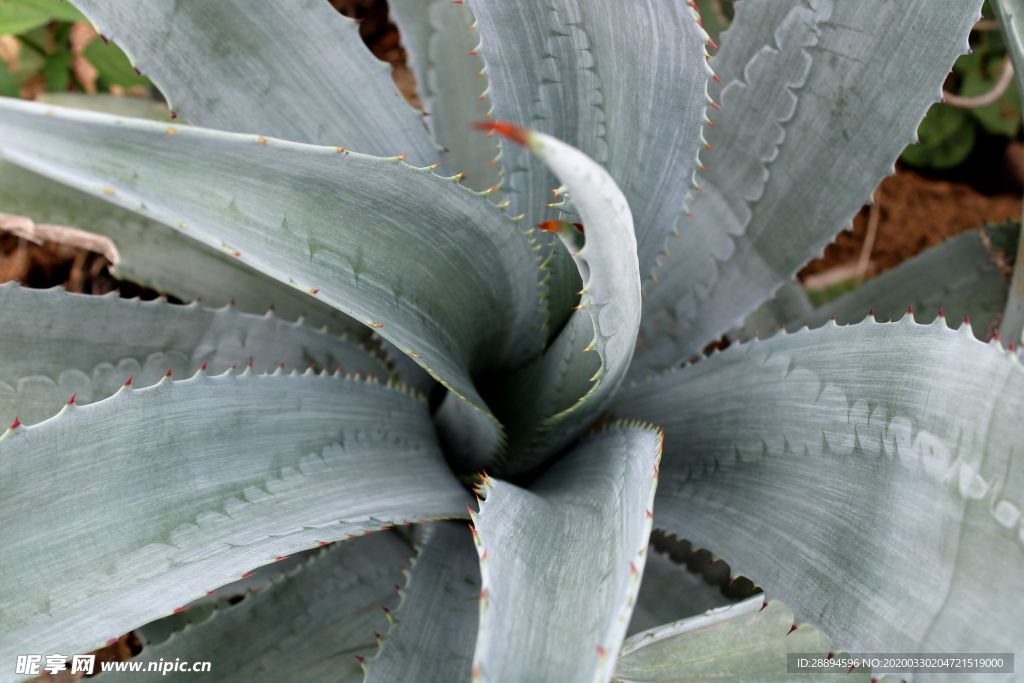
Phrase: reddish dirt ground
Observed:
(916, 213)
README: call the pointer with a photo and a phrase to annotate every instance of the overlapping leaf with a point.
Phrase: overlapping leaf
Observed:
(297, 70)
(622, 81)
(435, 268)
(869, 476)
(309, 625)
(435, 627)
(54, 344)
(561, 563)
(159, 257)
(818, 100)
(965, 275)
(744, 642)
(440, 40)
(157, 495)
(670, 593)
(548, 403)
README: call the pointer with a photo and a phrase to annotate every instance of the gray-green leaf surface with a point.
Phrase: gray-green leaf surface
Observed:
(819, 99)
(561, 562)
(309, 625)
(624, 82)
(668, 592)
(159, 257)
(157, 495)
(869, 476)
(964, 275)
(440, 40)
(433, 267)
(746, 642)
(54, 344)
(431, 640)
(547, 404)
(296, 70)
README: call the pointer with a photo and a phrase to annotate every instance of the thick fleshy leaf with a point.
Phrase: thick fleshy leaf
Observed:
(668, 592)
(296, 70)
(1010, 14)
(159, 257)
(561, 562)
(441, 43)
(431, 640)
(624, 82)
(549, 402)
(747, 642)
(310, 625)
(963, 275)
(814, 112)
(161, 494)
(869, 476)
(54, 344)
(435, 268)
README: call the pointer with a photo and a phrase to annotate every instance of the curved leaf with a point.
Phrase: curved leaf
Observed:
(813, 116)
(624, 82)
(548, 403)
(159, 257)
(440, 41)
(748, 641)
(164, 493)
(435, 627)
(296, 70)
(869, 476)
(54, 344)
(561, 563)
(435, 268)
(311, 625)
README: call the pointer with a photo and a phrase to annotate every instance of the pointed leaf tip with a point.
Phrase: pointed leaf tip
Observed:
(203, 367)
(168, 372)
(129, 382)
(505, 130)
(995, 335)
(941, 313)
(15, 424)
(910, 310)
(71, 402)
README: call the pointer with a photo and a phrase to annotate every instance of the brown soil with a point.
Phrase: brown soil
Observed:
(53, 264)
(915, 213)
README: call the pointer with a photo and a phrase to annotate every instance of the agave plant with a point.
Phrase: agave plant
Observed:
(481, 333)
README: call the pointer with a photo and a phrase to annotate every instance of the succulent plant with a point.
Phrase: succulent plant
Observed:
(481, 334)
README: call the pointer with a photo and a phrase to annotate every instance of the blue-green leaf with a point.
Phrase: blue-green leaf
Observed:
(561, 562)
(433, 267)
(869, 476)
(431, 640)
(54, 344)
(548, 403)
(311, 624)
(624, 82)
(296, 70)
(161, 494)
(814, 113)
(440, 41)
